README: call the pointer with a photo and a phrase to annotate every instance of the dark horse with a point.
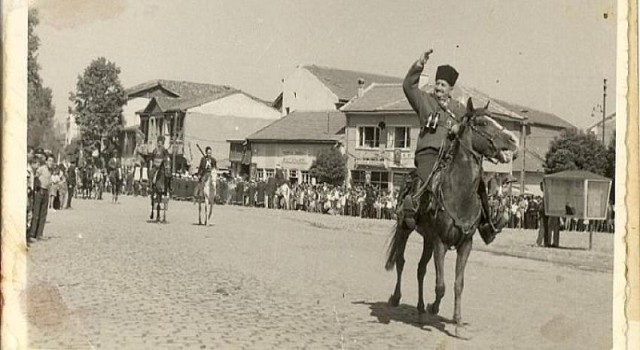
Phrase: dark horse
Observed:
(115, 178)
(160, 188)
(454, 212)
(87, 182)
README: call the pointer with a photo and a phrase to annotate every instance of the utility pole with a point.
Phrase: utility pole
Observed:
(524, 153)
(604, 109)
(175, 141)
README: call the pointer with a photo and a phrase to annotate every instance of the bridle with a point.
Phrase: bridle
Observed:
(485, 135)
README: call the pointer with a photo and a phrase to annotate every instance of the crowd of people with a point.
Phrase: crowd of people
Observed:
(361, 200)
(52, 186)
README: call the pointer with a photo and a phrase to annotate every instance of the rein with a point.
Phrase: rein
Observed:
(487, 137)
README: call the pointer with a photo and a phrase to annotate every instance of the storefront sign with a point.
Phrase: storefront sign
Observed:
(301, 162)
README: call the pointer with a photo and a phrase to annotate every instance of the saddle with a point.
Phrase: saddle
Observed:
(430, 198)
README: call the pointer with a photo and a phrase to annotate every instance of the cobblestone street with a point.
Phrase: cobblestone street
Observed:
(105, 278)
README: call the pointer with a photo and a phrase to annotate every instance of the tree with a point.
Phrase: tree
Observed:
(40, 109)
(576, 150)
(98, 102)
(329, 167)
(610, 171)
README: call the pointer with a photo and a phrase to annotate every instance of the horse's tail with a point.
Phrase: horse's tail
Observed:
(396, 246)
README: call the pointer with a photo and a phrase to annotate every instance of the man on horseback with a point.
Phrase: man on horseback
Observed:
(438, 115)
(206, 164)
(158, 155)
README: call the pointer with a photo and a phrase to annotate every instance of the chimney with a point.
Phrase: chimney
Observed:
(360, 87)
(424, 80)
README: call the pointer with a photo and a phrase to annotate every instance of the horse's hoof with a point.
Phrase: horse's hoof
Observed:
(432, 309)
(420, 308)
(463, 332)
(394, 300)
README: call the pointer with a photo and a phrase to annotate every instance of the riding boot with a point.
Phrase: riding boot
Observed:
(407, 207)
(487, 229)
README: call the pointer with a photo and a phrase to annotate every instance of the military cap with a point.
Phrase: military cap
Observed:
(448, 74)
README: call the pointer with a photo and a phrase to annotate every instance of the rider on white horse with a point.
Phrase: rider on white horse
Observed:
(207, 163)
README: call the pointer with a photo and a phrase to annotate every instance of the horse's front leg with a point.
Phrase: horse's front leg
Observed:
(461, 262)
(199, 212)
(151, 217)
(158, 200)
(427, 252)
(439, 252)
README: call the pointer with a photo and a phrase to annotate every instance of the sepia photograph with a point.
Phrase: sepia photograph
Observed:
(211, 174)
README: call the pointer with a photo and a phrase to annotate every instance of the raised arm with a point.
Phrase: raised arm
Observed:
(418, 99)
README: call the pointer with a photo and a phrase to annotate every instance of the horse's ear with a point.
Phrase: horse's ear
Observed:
(470, 105)
(487, 105)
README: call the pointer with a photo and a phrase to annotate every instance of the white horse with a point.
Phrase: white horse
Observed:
(283, 192)
(207, 188)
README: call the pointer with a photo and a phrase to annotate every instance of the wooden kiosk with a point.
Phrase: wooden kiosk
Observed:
(577, 194)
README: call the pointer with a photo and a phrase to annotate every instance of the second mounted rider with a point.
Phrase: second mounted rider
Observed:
(207, 163)
(156, 157)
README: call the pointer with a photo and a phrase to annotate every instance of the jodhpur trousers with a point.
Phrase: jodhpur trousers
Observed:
(424, 161)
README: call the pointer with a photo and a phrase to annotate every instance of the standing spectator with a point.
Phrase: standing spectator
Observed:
(71, 183)
(32, 165)
(260, 201)
(513, 218)
(522, 210)
(41, 196)
(54, 195)
(62, 187)
(610, 218)
(300, 193)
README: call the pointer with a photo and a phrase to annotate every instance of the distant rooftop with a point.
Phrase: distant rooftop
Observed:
(304, 126)
(182, 95)
(344, 83)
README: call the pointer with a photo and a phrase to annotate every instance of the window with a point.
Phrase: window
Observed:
(270, 172)
(379, 179)
(399, 137)
(293, 173)
(369, 136)
(260, 174)
(306, 178)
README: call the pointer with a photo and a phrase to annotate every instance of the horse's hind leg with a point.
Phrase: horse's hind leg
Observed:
(210, 211)
(165, 203)
(394, 300)
(461, 262)
(199, 213)
(151, 217)
(427, 251)
(439, 251)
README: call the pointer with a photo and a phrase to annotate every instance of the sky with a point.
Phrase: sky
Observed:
(550, 55)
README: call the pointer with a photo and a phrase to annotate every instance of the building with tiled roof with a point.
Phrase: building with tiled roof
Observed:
(316, 88)
(394, 145)
(290, 143)
(191, 115)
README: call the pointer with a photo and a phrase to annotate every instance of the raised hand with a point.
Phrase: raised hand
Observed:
(425, 56)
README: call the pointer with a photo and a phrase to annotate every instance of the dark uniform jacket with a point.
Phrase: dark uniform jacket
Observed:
(71, 176)
(428, 109)
(203, 165)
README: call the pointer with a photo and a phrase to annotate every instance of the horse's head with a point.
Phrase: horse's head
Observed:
(488, 137)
